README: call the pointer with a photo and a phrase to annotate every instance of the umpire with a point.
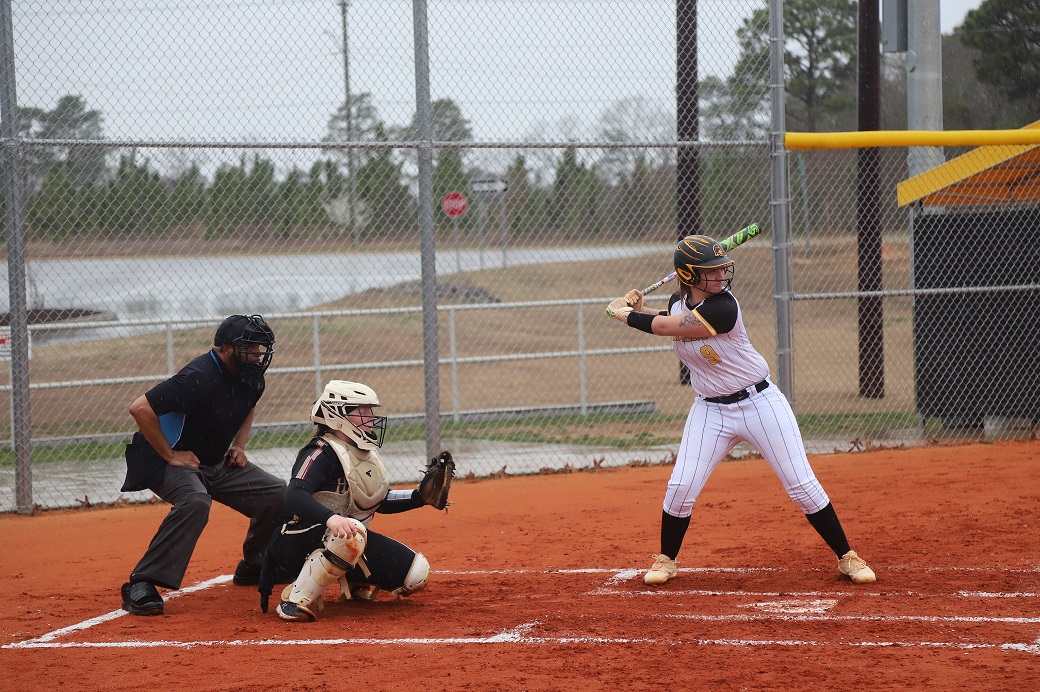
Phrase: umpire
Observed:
(191, 450)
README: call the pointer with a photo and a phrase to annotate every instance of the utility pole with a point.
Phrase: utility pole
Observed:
(349, 112)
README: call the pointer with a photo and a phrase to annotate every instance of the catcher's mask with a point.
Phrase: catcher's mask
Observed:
(698, 252)
(253, 342)
(338, 401)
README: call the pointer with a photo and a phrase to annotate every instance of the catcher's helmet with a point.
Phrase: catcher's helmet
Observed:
(342, 398)
(696, 252)
(252, 339)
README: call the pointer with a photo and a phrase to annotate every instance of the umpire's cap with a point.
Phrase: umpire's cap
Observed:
(243, 328)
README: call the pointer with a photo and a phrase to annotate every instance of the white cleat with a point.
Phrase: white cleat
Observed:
(855, 568)
(661, 572)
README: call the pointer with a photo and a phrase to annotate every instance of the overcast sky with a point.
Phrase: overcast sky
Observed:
(951, 12)
(272, 70)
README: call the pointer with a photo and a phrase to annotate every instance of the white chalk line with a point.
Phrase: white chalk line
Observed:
(605, 570)
(87, 624)
(839, 618)
(512, 637)
(737, 570)
(864, 591)
(518, 634)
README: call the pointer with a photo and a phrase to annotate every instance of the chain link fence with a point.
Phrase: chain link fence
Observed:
(173, 164)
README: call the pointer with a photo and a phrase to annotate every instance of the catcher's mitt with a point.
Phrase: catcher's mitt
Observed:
(436, 482)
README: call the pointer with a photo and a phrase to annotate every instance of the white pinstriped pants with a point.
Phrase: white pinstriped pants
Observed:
(764, 420)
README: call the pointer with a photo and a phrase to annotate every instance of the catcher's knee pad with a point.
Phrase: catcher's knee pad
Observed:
(418, 575)
(325, 566)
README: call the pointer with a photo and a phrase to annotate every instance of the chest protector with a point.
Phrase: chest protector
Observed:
(366, 481)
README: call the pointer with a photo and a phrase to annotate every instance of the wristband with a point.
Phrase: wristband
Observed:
(642, 321)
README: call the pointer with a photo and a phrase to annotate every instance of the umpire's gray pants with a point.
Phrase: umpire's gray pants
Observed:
(248, 490)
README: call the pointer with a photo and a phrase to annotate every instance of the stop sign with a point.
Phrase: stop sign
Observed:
(454, 204)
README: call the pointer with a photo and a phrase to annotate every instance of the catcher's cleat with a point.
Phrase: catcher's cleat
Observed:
(855, 568)
(364, 592)
(287, 610)
(141, 598)
(246, 574)
(661, 572)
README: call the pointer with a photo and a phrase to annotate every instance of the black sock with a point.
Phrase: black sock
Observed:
(673, 530)
(827, 525)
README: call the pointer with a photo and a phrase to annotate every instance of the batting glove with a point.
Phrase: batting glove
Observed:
(635, 299)
(619, 309)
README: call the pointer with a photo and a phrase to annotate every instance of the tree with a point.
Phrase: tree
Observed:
(644, 200)
(291, 214)
(241, 196)
(629, 120)
(362, 125)
(968, 103)
(819, 59)
(188, 199)
(70, 120)
(524, 201)
(1006, 34)
(738, 108)
(447, 124)
(729, 113)
(58, 210)
(135, 201)
(380, 185)
(573, 206)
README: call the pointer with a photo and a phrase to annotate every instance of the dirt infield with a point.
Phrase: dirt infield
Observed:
(537, 586)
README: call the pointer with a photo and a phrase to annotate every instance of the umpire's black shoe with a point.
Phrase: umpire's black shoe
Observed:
(246, 574)
(142, 598)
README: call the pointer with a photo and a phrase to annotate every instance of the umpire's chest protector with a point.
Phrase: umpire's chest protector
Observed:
(367, 485)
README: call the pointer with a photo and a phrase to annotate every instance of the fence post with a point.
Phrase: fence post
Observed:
(582, 384)
(780, 205)
(454, 367)
(427, 244)
(316, 346)
(21, 423)
(169, 350)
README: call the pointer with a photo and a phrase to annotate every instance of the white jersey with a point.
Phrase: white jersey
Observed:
(721, 365)
(725, 362)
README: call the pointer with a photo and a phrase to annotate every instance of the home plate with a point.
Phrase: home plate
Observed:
(795, 605)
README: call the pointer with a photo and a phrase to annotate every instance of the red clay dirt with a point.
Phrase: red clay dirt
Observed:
(537, 586)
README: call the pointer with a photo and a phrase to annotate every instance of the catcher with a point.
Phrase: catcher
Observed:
(338, 483)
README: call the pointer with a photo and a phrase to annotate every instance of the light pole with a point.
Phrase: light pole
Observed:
(349, 112)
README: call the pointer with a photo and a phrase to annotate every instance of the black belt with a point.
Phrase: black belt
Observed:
(737, 396)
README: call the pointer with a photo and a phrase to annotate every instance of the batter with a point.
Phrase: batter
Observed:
(736, 402)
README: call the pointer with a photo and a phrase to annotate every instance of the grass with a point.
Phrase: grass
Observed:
(842, 424)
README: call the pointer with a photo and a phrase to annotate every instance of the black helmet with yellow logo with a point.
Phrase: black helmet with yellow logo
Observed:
(697, 252)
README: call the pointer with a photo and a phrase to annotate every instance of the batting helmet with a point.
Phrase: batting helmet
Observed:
(338, 401)
(697, 252)
(252, 339)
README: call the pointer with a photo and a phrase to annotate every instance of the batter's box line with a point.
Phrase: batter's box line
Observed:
(44, 640)
(607, 591)
(788, 617)
(618, 574)
(509, 637)
(623, 574)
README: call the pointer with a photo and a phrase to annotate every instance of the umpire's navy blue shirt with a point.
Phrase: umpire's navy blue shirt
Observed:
(202, 407)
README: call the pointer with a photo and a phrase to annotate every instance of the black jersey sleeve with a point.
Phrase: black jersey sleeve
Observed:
(675, 298)
(316, 468)
(397, 501)
(719, 311)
